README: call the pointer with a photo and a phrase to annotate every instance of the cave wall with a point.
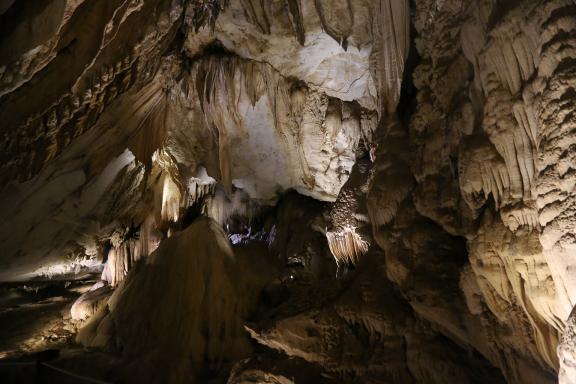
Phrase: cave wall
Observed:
(439, 132)
(489, 166)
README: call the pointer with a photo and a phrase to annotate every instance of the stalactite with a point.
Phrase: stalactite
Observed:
(217, 91)
(257, 13)
(121, 257)
(317, 143)
(170, 190)
(295, 15)
(221, 82)
(337, 19)
(391, 30)
(152, 128)
(205, 12)
(221, 206)
(346, 245)
(127, 248)
(171, 200)
(198, 191)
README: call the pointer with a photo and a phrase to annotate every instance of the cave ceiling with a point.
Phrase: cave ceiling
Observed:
(357, 191)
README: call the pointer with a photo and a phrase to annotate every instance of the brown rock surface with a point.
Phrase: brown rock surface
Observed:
(427, 147)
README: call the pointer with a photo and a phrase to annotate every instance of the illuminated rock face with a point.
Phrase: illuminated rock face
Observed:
(294, 121)
(566, 353)
(445, 176)
(486, 165)
(197, 316)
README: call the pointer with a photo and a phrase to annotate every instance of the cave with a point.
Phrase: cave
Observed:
(288, 191)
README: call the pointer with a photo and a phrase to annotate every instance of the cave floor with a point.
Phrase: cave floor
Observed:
(35, 316)
(35, 326)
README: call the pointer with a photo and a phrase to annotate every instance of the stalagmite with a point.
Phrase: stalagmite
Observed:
(91, 302)
(190, 286)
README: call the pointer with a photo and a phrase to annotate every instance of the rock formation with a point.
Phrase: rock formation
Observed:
(289, 191)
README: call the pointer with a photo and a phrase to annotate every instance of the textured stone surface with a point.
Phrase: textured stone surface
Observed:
(434, 144)
(291, 121)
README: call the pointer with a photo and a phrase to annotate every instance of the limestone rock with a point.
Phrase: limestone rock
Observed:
(433, 141)
(91, 302)
(199, 260)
